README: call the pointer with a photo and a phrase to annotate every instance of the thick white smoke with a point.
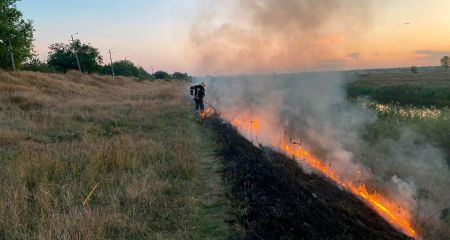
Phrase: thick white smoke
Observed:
(263, 36)
(313, 108)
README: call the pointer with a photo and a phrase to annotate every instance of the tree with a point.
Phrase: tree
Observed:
(126, 68)
(161, 75)
(37, 65)
(414, 69)
(181, 76)
(445, 62)
(15, 32)
(62, 57)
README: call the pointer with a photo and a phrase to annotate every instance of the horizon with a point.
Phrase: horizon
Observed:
(231, 37)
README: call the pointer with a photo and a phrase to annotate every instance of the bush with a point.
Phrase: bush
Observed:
(161, 75)
(414, 69)
(126, 68)
(37, 65)
(181, 76)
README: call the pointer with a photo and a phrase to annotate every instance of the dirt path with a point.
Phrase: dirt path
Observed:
(210, 214)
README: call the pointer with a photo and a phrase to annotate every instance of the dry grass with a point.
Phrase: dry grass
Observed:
(62, 134)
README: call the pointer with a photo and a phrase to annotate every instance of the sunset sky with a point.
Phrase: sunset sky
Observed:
(220, 37)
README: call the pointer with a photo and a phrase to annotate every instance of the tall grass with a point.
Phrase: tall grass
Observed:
(427, 89)
(60, 135)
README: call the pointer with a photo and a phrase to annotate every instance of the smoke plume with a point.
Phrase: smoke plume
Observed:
(265, 36)
(313, 109)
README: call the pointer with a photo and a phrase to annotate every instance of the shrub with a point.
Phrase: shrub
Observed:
(181, 76)
(161, 75)
(37, 65)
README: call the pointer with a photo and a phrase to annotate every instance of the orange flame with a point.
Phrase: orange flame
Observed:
(206, 113)
(388, 209)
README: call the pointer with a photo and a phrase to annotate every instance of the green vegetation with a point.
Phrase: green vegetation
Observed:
(36, 65)
(445, 62)
(62, 57)
(432, 123)
(416, 101)
(181, 76)
(425, 88)
(60, 135)
(161, 75)
(126, 68)
(15, 32)
(414, 69)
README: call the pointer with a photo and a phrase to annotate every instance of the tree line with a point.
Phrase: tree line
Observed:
(16, 52)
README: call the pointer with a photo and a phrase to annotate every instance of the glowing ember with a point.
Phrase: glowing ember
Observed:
(389, 210)
(207, 113)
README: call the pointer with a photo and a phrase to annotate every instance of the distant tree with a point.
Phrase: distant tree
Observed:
(414, 69)
(181, 76)
(445, 62)
(126, 68)
(161, 75)
(37, 65)
(62, 58)
(17, 31)
(143, 74)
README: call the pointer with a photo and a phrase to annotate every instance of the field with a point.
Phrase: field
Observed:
(405, 100)
(95, 157)
(131, 144)
(424, 89)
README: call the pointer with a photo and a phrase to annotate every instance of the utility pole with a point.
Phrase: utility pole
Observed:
(11, 54)
(75, 51)
(112, 67)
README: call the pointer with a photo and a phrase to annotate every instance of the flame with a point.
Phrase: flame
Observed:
(207, 113)
(388, 209)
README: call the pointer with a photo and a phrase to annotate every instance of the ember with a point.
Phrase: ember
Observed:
(207, 113)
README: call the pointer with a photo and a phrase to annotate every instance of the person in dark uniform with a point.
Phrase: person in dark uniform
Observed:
(198, 91)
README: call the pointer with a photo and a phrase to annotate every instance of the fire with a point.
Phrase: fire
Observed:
(207, 113)
(388, 209)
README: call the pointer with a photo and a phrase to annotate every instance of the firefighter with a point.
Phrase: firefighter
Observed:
(198, 91)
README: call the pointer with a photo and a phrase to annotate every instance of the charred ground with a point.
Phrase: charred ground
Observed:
(273, 198)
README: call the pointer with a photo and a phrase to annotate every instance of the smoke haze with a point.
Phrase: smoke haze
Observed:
(313, 109)
(265, 36)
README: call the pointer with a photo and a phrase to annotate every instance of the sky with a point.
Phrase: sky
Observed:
(260, 36)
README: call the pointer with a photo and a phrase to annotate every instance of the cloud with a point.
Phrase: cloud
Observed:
(431, 53)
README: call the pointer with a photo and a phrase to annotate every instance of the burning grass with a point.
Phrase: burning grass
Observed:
(60, 135)
(275, 199)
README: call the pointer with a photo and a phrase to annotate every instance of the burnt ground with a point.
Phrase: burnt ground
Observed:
(273, 198)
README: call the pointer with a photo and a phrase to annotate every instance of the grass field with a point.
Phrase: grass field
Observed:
(405, 100)
(426, 89)
(61, 135)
